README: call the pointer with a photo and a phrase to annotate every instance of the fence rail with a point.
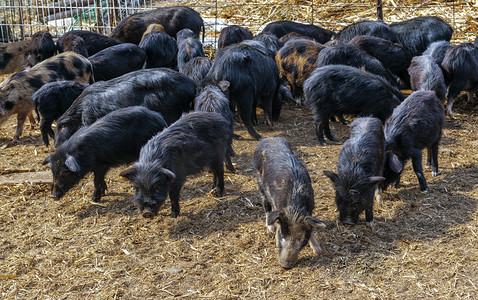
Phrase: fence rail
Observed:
(21, 18)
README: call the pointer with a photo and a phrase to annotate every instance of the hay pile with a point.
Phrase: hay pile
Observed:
(335, 15)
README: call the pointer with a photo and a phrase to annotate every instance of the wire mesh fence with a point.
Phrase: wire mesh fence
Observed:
(21, 18)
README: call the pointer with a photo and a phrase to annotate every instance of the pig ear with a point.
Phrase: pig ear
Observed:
(71, 163)
(316, 223)
(169, 175)
(273, 216)
(224, 85)
(334, 177)
(129, 173)
(47, 160)
(394, 163)
(376, 179)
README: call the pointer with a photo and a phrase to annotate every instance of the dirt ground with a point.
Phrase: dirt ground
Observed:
(423, 245)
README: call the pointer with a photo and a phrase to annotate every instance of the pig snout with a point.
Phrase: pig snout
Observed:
(348, 222)
(287, 264)
(148, 213)
(55, 195)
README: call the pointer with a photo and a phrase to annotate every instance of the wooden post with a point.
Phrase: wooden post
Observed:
(22, 26)
(97, 15)
(379, 10)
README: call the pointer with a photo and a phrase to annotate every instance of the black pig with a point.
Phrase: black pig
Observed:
(163, 90)
(114, 140)
(196, 141)
(438, 50)
(189, 47)
(359, 170)
(414, 125)
(117, 60)
(42, 47)
(52, 100)
(254, 79)
(95, 42)
(339, 89)
(281, 28)
(197, 68)
(233, 34)
(287, 197)
(418, 33)
(161, 50)
(345, 54)
(393, 56)
(269, 40)
(426, 75)
(212, 98)
(366, 27)
(461, 65)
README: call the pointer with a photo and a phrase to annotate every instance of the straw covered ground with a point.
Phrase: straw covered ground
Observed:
(423, 246)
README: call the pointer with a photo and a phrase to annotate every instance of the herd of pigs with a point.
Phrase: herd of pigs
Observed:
(148, 95)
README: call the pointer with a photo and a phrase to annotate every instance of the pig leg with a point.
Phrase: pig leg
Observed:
(456, 86)
(314, 244)
(31, 119)
(449, 106)
(100, 184)
(342, 119)
(229, 164)
(268, 110)
(433, 153)
(327, 132)
(245, 113)
(4, 119)
(417, 168)
(268, 208)
(218, 171)
(174, 191)
(429, 157)
(369, 217)
(470, 96)
(254, 116)
(319, 131)
(46, 130)
(378, 194)
(21, 117)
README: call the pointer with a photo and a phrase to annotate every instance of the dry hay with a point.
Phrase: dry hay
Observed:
(424, 245)
(335, 15)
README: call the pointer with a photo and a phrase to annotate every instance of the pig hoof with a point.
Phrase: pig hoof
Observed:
(148, 214)
(425, 191)
(270, 228)
(95, 199)
(370, 224)
(316, 250)
(434, 173)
